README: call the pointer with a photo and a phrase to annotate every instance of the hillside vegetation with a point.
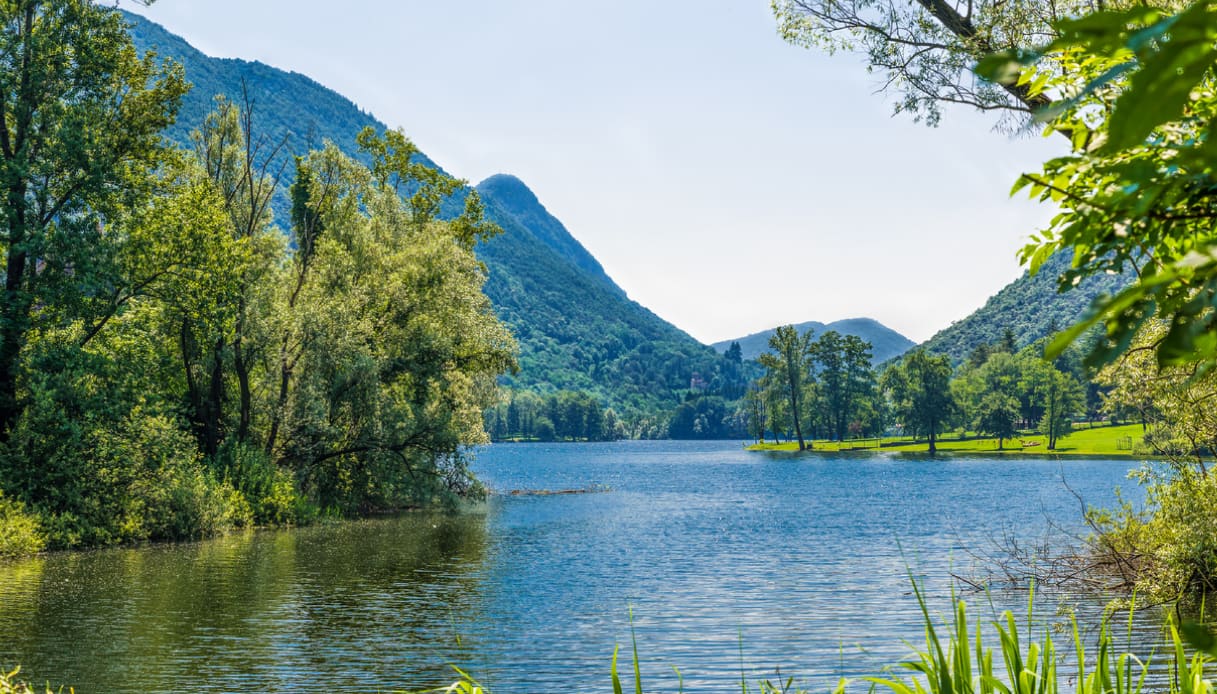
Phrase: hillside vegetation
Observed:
(1030, 307)
(577, 330)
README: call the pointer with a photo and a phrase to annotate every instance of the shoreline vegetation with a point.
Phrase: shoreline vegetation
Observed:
(1119, 441)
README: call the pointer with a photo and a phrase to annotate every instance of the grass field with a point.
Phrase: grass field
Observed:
(1115, 442)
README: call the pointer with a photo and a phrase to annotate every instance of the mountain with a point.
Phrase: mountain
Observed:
(885, 342)
(514, 198)
(576, 328)
(1030, 306)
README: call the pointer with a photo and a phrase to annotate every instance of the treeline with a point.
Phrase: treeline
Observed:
(705, 406)
(173, 360)
(562, 416)
(826, 388)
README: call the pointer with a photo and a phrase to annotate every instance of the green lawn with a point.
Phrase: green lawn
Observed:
(1104, 440)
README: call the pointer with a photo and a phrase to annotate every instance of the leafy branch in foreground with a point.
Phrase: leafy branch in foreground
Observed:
(1138, 191)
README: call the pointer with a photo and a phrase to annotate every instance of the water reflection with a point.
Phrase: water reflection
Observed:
(356, 606)
(806, 558)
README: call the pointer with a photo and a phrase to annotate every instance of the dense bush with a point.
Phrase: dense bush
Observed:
(20, 531)
(1168, 550)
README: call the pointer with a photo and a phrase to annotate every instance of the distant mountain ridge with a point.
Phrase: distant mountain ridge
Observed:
(885, 342)
(576, 328)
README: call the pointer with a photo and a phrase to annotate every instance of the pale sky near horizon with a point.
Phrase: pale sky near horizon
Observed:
(726, 180)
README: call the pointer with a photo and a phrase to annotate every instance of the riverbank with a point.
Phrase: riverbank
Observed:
(1107, 441)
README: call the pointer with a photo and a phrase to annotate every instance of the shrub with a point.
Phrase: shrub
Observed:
(1169, 550)
(273, 495)
(20, 531)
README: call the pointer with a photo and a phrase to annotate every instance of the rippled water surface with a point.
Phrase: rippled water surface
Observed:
(801, 559)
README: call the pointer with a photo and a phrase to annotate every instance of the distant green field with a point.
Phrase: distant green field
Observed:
(1102, 440)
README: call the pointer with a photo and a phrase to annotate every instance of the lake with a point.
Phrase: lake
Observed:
(727, 560)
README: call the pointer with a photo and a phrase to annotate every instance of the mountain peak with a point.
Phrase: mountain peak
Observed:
(507, 184)
(885, 342)
(512, 196)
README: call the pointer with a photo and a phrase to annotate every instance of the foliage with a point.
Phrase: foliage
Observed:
(1173, 402)
(576, 329)
(20, 531)
(789, 367)
(958, 658)
(997, 416)
(9, 684)
(886, 344)
(1166, 551)
(565, 415)
(1112, 442)
(919, 389)
(81, 136)
(1136, 192)
(846, 393)
(1029, 309)
(176, 366)
(925, 50)
(705, 417)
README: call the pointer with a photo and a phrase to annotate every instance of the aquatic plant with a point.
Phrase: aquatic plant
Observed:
(957, 659)
(10, 685)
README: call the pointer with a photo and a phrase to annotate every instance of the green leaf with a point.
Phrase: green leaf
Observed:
(1158, 91)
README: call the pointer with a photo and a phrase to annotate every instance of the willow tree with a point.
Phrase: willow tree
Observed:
(81, 115)
(390, 349)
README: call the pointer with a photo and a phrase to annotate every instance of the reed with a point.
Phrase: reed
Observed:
(960, 657)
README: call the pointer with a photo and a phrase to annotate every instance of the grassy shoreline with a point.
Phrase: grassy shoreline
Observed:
(1106, 441)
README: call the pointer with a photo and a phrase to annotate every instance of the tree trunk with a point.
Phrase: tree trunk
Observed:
(15, 313)
(213, 406)
(794, 415)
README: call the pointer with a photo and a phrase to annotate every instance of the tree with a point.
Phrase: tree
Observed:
(1173, 403)
(1060, 397)
(734, 354)
(926, 49)
(79, 142)
(755, 413)
(919, 388)
(845, 379)
(1136, 193)
(789, 365)
(997, 416)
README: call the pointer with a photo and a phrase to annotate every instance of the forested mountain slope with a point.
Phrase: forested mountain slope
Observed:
(576, 328)
(885, 342)
(1030, 307)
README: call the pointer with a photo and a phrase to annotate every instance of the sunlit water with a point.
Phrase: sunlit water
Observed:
(800, 562)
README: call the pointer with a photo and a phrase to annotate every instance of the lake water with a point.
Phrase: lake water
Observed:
(801, 562)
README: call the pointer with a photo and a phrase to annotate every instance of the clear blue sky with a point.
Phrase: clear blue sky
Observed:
(726, 180)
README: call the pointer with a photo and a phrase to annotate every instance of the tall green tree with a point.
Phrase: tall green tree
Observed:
(790, 365)
(845, 379)
(919, 389)
(1061, 398)
(80, 121)
(997, 415)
